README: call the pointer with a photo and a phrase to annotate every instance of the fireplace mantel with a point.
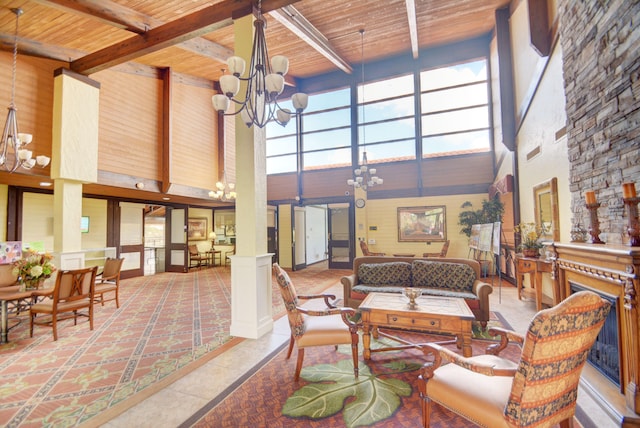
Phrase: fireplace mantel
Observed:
(612, 270)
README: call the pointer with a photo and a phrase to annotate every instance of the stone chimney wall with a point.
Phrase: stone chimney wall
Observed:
(601, 45)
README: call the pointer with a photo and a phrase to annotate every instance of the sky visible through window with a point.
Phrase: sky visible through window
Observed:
(455, 117)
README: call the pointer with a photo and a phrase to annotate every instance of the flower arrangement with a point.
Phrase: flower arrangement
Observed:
(33, 267)
(530, 234)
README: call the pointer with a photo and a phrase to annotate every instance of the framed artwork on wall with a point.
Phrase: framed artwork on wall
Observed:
(422, 224)
(197, 229)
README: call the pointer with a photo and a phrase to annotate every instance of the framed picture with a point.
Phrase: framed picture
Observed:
(197, 229)
(422, 224)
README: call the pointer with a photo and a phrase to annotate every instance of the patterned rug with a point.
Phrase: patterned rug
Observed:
(167, 325)
(384, 395)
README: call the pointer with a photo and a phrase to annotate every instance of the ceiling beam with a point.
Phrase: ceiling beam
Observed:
(301, 27)
(172, 33)
(115, 15)
(38, 49)
(413, 27)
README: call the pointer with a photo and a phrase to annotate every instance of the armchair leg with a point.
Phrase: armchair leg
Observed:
(299, 364)
(567, 423)
(426, 401)
(291, 341)
(354, 355)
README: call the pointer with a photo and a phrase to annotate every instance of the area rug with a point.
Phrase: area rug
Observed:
(167, 325)
(384, 395)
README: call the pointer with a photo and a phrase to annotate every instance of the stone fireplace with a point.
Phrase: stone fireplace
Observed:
(613, 376)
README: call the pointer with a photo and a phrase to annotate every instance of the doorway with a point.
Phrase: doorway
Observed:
(339, 237)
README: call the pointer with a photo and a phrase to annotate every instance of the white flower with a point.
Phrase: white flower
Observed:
(35, 271)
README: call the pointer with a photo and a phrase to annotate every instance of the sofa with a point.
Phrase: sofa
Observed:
(450, 277)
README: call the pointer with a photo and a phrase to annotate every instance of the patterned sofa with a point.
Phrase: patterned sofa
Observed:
(437, 277)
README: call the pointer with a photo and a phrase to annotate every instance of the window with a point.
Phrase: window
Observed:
(388, 126)
(455, 109)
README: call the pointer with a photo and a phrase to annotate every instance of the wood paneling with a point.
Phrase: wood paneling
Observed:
(194, 155)
(130, 124)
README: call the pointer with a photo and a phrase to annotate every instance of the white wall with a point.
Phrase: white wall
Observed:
(316, 234)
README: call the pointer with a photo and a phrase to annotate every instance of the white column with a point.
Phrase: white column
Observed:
(251, 304)
(74, 159)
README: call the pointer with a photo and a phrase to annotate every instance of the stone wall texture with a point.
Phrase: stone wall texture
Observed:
(601, 46)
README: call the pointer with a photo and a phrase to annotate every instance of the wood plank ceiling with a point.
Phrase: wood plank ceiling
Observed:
(195, 37)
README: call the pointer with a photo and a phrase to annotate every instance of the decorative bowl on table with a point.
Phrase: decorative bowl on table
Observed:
(412, 293)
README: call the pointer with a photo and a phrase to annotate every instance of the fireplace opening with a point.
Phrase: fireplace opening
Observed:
(605, 353)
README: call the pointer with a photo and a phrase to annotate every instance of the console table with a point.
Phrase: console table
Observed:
(535, 267)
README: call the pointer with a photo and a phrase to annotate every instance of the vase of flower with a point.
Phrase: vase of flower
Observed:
(530, 235)
(32, 269)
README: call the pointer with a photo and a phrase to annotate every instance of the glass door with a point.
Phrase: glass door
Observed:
(340, 232)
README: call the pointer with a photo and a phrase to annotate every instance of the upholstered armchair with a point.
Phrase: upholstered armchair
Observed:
(441, 254)
(365, 250)
(540, 390)
(196, 258)
(330, 326)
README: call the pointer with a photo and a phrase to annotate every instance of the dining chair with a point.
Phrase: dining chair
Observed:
(328, 326)
(365, 250)
(196, 258)
(540, 390)
(108, 281)
(72, 292)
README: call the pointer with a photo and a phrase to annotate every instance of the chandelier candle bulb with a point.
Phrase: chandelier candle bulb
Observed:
(590, 197)
(628, 190)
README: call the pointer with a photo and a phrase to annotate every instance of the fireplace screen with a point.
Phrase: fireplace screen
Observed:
(604, 354)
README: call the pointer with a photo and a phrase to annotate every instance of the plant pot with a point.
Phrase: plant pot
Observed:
(531, 252)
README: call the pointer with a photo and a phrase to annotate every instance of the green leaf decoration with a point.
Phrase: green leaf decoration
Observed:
(376, 398)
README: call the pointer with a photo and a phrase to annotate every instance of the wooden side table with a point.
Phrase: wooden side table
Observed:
(534, 267)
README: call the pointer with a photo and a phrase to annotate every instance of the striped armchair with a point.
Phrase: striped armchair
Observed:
(538, 391)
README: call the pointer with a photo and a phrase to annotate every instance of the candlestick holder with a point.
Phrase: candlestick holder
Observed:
(594, 229)
(633, 229)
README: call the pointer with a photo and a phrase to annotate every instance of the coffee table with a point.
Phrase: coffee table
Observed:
(441, 315)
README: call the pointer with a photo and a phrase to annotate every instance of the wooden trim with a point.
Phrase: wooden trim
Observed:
(539, 32)
(66, 72)
(165, 147)
(505, 60)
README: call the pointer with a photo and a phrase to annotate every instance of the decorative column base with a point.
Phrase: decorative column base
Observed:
(251, 302)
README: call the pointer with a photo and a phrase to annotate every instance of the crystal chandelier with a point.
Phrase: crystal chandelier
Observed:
(225, 191)
(265, 82)
(363, 176)
(11, 138)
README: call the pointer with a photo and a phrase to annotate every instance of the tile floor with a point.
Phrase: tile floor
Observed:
(184, 397)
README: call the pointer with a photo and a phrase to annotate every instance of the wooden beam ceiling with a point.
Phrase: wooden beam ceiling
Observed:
(180, 30)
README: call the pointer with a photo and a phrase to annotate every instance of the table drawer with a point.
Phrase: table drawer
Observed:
(403, 321)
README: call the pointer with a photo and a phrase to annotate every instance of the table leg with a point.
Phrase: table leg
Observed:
(4, 328)
(366, 340)
(465, 340)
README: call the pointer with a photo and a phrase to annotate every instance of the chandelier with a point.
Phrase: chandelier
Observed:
(363, 176)
(11, 138)
(224, 191)
(265, 82)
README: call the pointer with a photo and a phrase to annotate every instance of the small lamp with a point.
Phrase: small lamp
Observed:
(212, 236)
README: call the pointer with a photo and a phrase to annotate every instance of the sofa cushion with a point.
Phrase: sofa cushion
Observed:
(384, 274)
(451, 276)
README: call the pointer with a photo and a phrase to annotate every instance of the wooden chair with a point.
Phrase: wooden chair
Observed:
(442, 253)
(540, 390)
(196, 258)
(72, 292)
(231, 252)
(108, 281)
(365, 250)
(328, 326)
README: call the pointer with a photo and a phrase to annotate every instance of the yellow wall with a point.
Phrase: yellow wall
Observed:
(383, 214)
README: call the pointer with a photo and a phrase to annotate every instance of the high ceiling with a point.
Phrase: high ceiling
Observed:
(195, 37)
